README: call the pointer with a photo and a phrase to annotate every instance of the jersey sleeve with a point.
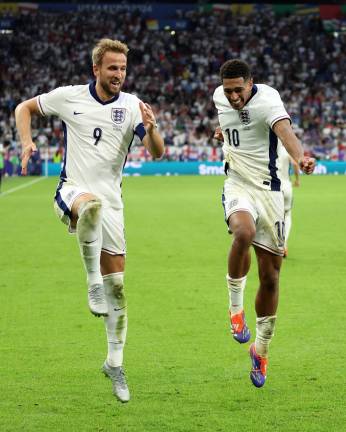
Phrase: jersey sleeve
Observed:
(138, 128)
(215, 98)
(275, 110)
(52, 103)
(220, 100)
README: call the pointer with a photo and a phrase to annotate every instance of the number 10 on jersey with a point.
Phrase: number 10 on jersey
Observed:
(233, 137)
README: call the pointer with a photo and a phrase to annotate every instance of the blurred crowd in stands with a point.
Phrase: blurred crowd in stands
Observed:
(177, 72)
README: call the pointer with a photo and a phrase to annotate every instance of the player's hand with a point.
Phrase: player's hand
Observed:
(28, 150)
(218, 134)
(307, 165)
(148, 117)
(296, 183)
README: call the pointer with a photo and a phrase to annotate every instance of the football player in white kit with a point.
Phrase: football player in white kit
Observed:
(252, 118)
(99, 123)
(284, 163)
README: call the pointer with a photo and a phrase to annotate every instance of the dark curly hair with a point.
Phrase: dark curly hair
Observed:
(235, 69)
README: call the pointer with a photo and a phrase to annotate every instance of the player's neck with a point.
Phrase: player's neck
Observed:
(102, 95)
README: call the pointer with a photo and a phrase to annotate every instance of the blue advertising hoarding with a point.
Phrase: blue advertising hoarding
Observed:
(197, 168)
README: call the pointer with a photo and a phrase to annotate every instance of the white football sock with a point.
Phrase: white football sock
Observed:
(236, 293)
(116, 321)
(89, 235)
(264, 333)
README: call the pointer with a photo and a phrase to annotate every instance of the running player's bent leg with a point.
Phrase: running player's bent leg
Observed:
(89, 233)
(242, 226)
(236, 289)
(87, 209)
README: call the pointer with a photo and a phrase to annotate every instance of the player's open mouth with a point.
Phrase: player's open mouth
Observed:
(237, 103)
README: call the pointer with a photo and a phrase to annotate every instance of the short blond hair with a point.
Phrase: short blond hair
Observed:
(105, 45)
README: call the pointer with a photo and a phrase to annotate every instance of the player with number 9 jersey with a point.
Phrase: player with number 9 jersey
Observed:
(99, 122)
(98, 136)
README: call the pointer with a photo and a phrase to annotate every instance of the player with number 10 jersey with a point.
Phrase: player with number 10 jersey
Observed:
(250, 145)
(252, 121)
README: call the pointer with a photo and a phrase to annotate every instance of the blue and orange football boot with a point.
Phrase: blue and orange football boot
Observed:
(239, 329)
(258, 373)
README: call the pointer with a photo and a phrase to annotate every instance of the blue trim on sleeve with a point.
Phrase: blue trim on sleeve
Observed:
(92, 89)
(281, 118)
(140, 131)
(275, 184)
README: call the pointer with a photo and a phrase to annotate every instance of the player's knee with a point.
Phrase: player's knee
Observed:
(269, 280)
(114, 286)
(244, 235)
(90, 210)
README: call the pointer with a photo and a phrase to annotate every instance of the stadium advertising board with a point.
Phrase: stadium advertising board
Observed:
(198, 168)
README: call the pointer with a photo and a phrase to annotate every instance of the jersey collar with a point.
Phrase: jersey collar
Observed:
(254, 90)
(92, 89)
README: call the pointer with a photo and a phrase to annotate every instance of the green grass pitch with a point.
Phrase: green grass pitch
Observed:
(185, 372)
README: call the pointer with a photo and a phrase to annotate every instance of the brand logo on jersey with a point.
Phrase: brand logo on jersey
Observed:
(77, 113)
(118, 115)
(233, 203)
(244, 117)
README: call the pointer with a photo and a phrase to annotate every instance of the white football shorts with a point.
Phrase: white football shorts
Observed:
(288, 195)
(266, 208)
(113, 233)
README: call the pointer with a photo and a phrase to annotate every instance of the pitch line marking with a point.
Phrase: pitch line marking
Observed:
(15, 189)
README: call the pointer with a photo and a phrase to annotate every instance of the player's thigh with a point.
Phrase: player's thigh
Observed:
(239, 206)
(270, 229)
(66, 202)
(242, 225)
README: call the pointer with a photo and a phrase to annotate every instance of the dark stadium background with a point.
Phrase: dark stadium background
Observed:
(176, 50)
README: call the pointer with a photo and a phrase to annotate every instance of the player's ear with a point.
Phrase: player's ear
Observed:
(95, 69)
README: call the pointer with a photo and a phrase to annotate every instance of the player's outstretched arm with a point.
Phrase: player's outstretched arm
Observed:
(283, 130)
(153, 141)
(23, 115)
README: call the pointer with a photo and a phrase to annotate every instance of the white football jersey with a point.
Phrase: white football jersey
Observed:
(97, 135)
(250, 145)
